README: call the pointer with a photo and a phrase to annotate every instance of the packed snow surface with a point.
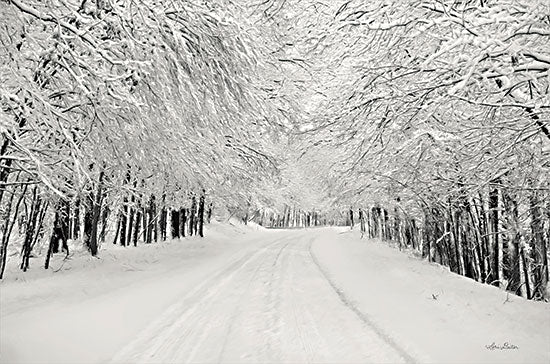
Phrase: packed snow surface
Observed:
(312, 295)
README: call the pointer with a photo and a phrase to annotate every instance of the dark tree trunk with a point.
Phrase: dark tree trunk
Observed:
(92, 215)
(76, 220)
(96, 214)
(362, 222)
(175, 222)
(5, 165)
(30, 229)
(538, 247)
(49, 253)
(132, 213)
(130, 225)
(104, 217)
(60, 231)
(149, 217)
(495, 238)
(192, 213)
(65, 226)
(201, 215)
(38, 232)
(478, 241)
(152, 217)
(61, 227)
(124, 222)
(137, 226)
(117, 232)
(123, 215)
(88, 221)
(57, 233)
(163, 223)
(145, 226)
(8, 227)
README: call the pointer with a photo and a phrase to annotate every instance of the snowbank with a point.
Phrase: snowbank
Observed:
(435, 315)
(104, 301)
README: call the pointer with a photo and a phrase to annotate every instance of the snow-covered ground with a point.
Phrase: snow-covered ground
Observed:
(252, 295)
(432, 314)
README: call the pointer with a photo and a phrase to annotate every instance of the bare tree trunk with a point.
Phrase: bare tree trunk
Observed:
(201, 214)
(130, 223)
(5, 167)
(117, 232)
(57, 234)
(92, 214)
(76, 220)
(88, 222)
(8, 227)
(104, 217)
(192, 214)
(175, 222)
(152, 217)
(163, 222)
(137, 226)
(538, 247)
(124, 222)
(478, 245)
(30, 230)
(458, 241)
(65, 223)
(499, 238)
(526, 264)
(163, 218)
(362, 222)
(492, 275)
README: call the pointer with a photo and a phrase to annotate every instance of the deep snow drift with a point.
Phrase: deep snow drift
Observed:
(313, 295)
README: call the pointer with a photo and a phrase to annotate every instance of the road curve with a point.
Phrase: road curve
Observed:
(275, 304)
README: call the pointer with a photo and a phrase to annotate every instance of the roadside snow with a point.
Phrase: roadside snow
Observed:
(434, 315)
(82, 275)
(88, 309)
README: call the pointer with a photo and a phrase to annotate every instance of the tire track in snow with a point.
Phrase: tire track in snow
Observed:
(175, 322)
(238, 306)
(229, 319)
(362, 316)
(305, 344)
(271, 305)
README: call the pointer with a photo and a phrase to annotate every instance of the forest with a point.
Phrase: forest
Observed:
(424, 122)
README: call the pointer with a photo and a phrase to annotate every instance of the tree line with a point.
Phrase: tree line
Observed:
(295, 217)
(436, 114)
(495, 237)
(127, 114)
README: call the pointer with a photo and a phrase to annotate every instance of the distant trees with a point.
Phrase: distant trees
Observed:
(296, 217)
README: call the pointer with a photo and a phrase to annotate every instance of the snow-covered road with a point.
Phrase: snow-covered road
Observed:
(273, 305)
(303, 296)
